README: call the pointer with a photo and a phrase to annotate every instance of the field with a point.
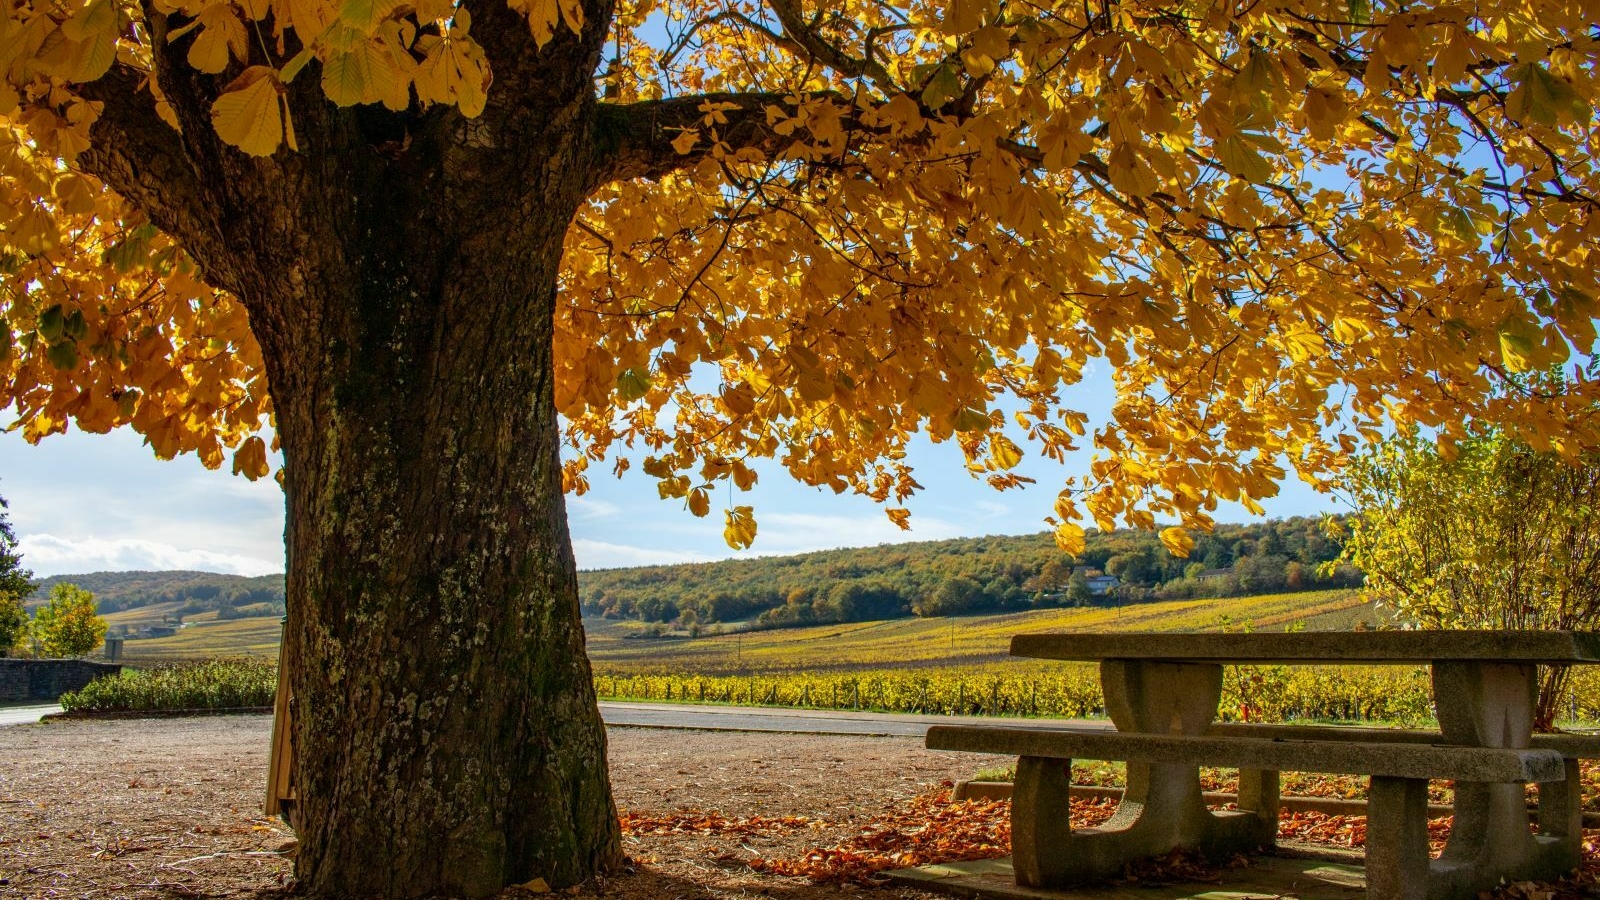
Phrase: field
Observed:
(952, 665)
(964, 641)
(622, 648)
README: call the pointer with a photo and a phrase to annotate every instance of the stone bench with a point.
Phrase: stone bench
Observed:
(1048, 852)
(1560, 803)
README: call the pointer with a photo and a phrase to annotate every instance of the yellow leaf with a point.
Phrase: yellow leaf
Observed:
(222, 36)
(536, 886)
(250, 460)
(700, 502)
(900, 517)
(1004, 453)
(248, 114)
(962, 16)
(686, 140)
(1177, 541)
(740, 528)
(1070, 538)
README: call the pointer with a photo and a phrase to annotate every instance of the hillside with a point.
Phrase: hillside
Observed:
(964, 576)
(969, 575)
(618, 648)
(190, 591)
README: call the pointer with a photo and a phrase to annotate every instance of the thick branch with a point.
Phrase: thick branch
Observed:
(634, 140)
(143, 159)
(816, 48)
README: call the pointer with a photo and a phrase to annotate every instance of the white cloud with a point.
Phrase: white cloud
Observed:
(593, 554)
(591, 508)
(991, 509)
(782, 533)
(47, 554)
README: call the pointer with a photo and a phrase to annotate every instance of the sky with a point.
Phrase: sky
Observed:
(88, 503)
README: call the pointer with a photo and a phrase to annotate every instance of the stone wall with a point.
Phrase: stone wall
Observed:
(43, 680)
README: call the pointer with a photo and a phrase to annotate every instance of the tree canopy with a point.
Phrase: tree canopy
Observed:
(67, 624)
(1493, 535)
(815, 233)
(430, 241)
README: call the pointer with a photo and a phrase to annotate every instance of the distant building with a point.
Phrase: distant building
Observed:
(1101, 585)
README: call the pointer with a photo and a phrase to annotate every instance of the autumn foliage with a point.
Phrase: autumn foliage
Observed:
(1283, 225)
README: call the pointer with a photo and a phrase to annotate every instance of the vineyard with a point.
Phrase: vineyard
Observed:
(954, 666)
(1387, 694)
(963, 641)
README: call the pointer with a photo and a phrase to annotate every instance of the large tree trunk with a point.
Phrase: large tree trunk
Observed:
(400, 276)
(446, 737)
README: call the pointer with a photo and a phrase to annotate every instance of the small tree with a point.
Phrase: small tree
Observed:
(1493, 534)
(1079, 593)
(67, 625)
(14, 585)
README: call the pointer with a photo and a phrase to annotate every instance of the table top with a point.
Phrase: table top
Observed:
(1309, 647)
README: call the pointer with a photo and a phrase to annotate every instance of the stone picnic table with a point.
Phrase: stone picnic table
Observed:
(1162, 693)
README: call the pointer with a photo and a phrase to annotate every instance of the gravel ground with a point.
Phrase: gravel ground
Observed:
(163, 808)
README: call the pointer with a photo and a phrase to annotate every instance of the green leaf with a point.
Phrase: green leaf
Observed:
(632, 385)
(1457, 222)
(969, 420)
(51, 323)
(292, 67)
(63, 356)
(1542, 98)
(1241, 160)
(75, 328)
(944, 86)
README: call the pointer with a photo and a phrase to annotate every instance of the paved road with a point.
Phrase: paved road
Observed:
(808, 721)
(730, 718)
(23, 715)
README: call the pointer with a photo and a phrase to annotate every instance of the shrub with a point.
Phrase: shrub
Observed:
(211, 685)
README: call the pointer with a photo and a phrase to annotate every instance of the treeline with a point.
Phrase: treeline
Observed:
(969, 575)
(232, 596)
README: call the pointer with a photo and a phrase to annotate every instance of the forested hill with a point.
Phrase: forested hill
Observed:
(968, 575)
(931, 578)
(198, 590)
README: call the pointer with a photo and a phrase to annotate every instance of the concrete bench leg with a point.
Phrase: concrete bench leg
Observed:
(1561, 815)
(1258, 795)
(1040, 830)
(1397, 839)
(1162, 809)
(1491, 841)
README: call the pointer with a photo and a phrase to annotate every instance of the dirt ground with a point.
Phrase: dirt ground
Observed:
(164, 808)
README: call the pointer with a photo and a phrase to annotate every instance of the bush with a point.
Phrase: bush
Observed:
(211, 685)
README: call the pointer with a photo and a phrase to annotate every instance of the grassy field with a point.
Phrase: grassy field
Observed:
(966, 641)
(618, 648)
(204, 636)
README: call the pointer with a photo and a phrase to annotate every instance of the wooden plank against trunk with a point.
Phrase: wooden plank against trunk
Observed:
(280, 784)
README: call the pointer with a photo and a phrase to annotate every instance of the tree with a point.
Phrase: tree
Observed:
(688, 234)
(1491, 534)
(15, 583)
(1079, 593)
(67, 624)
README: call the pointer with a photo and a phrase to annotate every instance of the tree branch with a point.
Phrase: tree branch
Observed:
(634, 140)
(144, 160)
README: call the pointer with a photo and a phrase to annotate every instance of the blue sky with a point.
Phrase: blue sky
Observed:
(87, 502)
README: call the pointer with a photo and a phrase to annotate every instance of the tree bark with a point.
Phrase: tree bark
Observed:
(446, 735)
(400, 276)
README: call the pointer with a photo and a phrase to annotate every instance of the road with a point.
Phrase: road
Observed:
(731, 718)
(24, 715)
